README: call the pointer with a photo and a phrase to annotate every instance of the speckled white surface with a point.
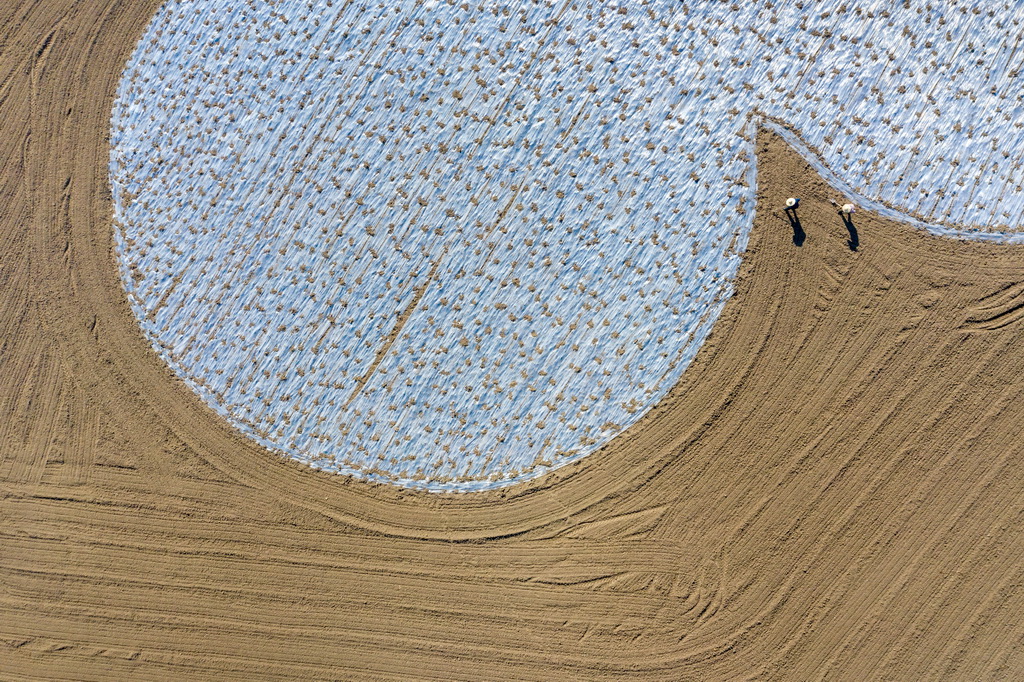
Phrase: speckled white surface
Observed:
(455, 245)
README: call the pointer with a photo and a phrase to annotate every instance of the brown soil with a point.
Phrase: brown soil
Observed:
(835, 489)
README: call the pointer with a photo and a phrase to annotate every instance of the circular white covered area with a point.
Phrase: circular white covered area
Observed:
(455, 245)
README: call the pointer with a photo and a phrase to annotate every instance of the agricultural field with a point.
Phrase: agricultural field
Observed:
(441, 340)
(452, 246)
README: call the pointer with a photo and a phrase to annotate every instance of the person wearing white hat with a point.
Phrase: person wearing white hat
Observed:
(792, 204)
(845, 212)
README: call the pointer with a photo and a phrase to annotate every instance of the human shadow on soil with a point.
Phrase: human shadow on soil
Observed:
(798, 230)
(854, 241)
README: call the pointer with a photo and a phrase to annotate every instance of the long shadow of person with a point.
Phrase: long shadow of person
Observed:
(854, 241)
(798, 230)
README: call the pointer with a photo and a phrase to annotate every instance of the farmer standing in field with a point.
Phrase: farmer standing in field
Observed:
(844, 211)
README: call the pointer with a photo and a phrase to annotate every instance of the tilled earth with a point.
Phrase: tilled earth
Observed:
(834, 489)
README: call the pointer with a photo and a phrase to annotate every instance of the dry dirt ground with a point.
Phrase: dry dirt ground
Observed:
(834, 490)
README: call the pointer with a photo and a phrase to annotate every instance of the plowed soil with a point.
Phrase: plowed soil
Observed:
(834, 490)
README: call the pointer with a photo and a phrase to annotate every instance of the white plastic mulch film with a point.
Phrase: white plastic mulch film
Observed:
(455, 245)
